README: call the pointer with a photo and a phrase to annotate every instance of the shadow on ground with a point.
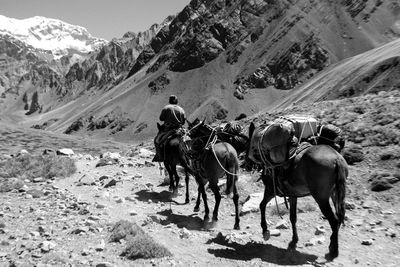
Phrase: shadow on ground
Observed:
(191, 222)
(266, 252)
(155, 197)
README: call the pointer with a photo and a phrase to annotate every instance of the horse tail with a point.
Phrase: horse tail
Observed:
(340, 193)
(231, 178)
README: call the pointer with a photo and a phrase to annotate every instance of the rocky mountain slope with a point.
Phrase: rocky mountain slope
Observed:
(32, 81)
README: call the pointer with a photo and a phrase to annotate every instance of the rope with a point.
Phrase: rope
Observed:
(215, 155)
(274, 185)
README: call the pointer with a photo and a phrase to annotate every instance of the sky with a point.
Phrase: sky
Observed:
(102, 18)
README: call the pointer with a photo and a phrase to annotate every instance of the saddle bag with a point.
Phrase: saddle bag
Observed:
(304, 127)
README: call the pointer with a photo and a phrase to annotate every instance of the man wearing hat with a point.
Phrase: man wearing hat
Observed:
(173, 117)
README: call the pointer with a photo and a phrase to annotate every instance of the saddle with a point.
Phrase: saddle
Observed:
(161, 139)
(283, 182)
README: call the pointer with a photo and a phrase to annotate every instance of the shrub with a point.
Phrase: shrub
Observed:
(122, 229)
(139, 244)
(30, 166)
(353, 154)
(143, 246)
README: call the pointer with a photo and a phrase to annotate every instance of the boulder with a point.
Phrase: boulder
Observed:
(65, 152)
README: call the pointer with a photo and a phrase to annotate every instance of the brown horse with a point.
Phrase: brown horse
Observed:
(215, 160)
(318, 170)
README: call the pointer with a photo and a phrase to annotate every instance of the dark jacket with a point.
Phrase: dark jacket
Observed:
(173, 116)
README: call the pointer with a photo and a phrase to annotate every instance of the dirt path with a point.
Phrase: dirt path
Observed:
(68, 223)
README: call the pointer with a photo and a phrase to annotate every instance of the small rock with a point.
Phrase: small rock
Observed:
(275, 232)
(35, 193)
(314, 241)
(124, 171)
(38, 179)
(320, 230)
(368, 204)
(110, 183)
(138, 175)
(100, 206)
(128, 198)
(85, 252)
(111, 155)
(349, 205)
(104, 264)
(149, 164)
(3, 254)
(86, 180)
(120, 200)
(80, 230)
(46, 246)
(387, 212)
(101, 246)
(94, 218)
(184, 233)
(65, 152)
(282, 224)
(367, 242)
(24, 188)
(133, 212)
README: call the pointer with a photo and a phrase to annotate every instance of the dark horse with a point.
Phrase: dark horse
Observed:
(318, 170)
(215, 159)
(174, 156)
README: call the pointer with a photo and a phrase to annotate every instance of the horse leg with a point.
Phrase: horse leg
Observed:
(263, 204)
(197, 206)
(217, 196)
(293, 219)
(236, 202)
(187, 186)
(206, 209)
(334, 223)
(177, 179)
(171, 177)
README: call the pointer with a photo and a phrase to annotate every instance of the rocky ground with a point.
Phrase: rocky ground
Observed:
(67, 221)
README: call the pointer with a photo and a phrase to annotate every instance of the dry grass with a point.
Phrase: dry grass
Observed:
(31, 166)
(139, 244)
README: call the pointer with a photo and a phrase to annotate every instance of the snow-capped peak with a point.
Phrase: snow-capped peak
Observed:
(50, 34)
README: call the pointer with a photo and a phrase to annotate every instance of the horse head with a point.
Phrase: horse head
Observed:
(198, 128)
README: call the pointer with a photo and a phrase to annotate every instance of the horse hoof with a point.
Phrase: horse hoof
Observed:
(196, 209)
(236, 227)
(330, 256)
(213, 224)
(266, 235)
(292, 245)
(187, 201)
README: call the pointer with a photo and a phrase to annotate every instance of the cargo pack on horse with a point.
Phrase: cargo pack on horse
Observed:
(212, 161)
(316, 170)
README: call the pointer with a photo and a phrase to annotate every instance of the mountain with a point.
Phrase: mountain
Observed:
(52, 35)
(33, 81)
(224, 58)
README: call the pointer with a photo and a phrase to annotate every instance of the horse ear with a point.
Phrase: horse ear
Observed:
(158, 126)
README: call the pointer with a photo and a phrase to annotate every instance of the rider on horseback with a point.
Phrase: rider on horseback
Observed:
(173, 117)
